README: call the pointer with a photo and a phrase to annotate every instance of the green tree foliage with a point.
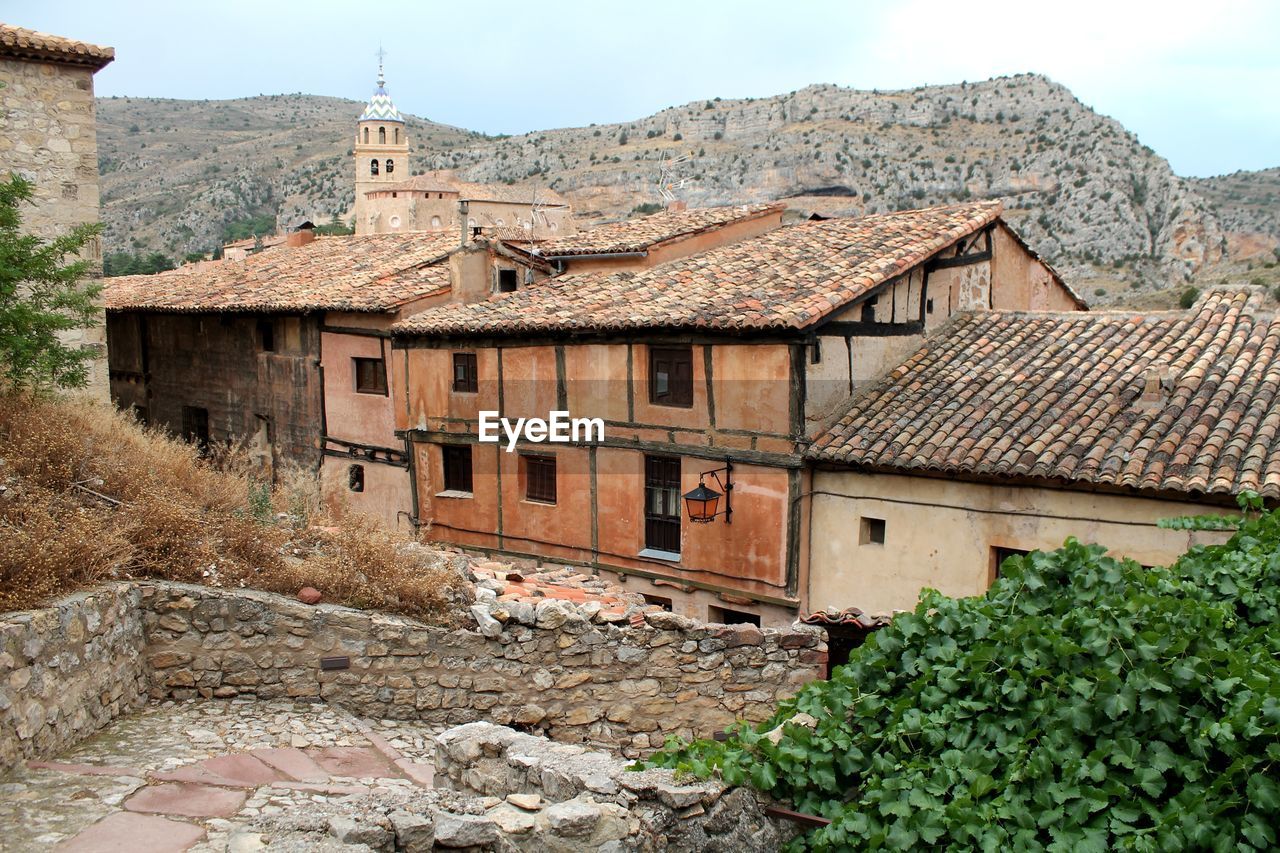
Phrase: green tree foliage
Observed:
(127, 263)
(41, 295)
(1188, 297)
(335, 227)
(252, 226)
(1083, 703)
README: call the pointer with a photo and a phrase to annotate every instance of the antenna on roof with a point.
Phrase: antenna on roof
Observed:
(668, 180)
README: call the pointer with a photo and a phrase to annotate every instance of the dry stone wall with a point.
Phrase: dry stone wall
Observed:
(571, 671)
(68, 670)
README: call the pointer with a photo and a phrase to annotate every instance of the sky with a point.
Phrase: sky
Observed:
(1198, 82)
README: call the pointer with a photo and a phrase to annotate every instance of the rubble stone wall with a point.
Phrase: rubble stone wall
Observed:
(556, 668)
(68, 670)
(645, 810)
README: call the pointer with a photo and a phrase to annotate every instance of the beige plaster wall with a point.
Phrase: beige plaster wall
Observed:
(941, 534)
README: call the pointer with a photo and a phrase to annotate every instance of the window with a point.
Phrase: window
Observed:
(871, 532)
(397, 134)
(465, 377)
(671, 376)
(457, 467)
(998, 556)
(869, 311)
(373, 166)
(815, 352)
(267, 335)
(435, 222)
(664, 603)
(662, 503)
(366, 136)
(382, 136)
(195, 426)
(539, 478)
(391, 167)
(507, 281)
(355, 478)
(725, 616)
(371, 376)
(928, 306)
(141, 413)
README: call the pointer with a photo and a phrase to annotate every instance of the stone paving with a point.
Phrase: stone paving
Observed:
(205, 775)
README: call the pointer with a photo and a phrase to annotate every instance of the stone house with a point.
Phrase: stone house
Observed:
(734, 357)
(1007, 432)
(50, 138)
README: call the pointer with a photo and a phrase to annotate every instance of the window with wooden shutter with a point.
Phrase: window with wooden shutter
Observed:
(662, 503)
(465, 376)
(671, 376)
(539, 478)
(371, 376)
(457, 467)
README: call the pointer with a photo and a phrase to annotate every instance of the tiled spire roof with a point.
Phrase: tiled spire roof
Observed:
(380, 107)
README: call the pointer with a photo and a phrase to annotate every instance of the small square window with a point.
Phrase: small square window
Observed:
(664, 603)
(355, 478)
(815, 352)
(872, 531)
(457, 467)
(928, 306)
(371, 376)
(507, 281)
(465, 375)
(539, 478)
(725, 616)
(998, 556)
(671, 376)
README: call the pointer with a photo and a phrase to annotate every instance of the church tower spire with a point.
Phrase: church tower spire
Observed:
(381, 152)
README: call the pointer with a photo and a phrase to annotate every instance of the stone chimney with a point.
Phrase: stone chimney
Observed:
(1156, 387)
(301, 236)
(678, 205)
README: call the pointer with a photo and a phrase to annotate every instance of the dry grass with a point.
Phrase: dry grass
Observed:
(89, 495)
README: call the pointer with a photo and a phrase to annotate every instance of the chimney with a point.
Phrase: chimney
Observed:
(301, 236)
(1156, 387)
(463, 209)
(678, 205)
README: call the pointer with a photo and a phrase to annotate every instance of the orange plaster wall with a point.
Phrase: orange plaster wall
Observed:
(349, 415)
(597, 381)
(648, 413)
(462, 520)
(560, 529)
(387, 491)
(431, 394)
(1020, 282)
(528, 381)
(752, 389)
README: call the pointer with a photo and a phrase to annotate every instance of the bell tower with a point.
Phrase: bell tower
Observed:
(381, 153)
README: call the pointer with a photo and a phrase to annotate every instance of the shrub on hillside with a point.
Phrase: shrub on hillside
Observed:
(89, 495)
(1083, 703)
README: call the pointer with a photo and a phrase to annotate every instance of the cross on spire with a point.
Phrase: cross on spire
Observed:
(380, 54)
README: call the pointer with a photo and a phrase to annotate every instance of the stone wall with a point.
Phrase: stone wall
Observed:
(596, 795)
(575, 672)
(68, 670)
(51, 139)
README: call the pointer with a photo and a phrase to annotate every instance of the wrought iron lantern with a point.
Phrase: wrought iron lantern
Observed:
(703, 502)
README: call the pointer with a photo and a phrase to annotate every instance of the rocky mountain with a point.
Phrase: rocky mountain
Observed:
(1083, 189)
(1247, 204)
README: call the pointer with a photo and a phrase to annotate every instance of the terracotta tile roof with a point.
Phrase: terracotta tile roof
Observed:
(852, 616)
(20, 43)
(788, 278)
(377, 272)
(645, 232)
(1060, 397)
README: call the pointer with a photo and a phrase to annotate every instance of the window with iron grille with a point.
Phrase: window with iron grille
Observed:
(540, 478)
(671, 376)
(662, 503)
(195, 426)
(371, 375)
(457, 467)
(465, 376)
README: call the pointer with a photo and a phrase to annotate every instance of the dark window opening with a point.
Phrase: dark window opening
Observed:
(267, 335)
(382, 136)
(371, 376)
(355, 478)
(998, 556)
(391, 167)
(671, 376)
(539, 478)
(664, 603)
(457, 467)
(662, 503)
(397, 132)
(725, 616)
(815, 353)
(195, 426)
(507, 281)
(366, 136)
(393, 195)
(928, 306)
(872, 531)
(869, 311)
(465, 375)
(373, 167)
(141, 414)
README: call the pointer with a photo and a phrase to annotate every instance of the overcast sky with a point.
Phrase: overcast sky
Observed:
(1198, 82)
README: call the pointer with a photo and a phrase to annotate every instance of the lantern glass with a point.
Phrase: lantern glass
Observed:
(702, 503)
